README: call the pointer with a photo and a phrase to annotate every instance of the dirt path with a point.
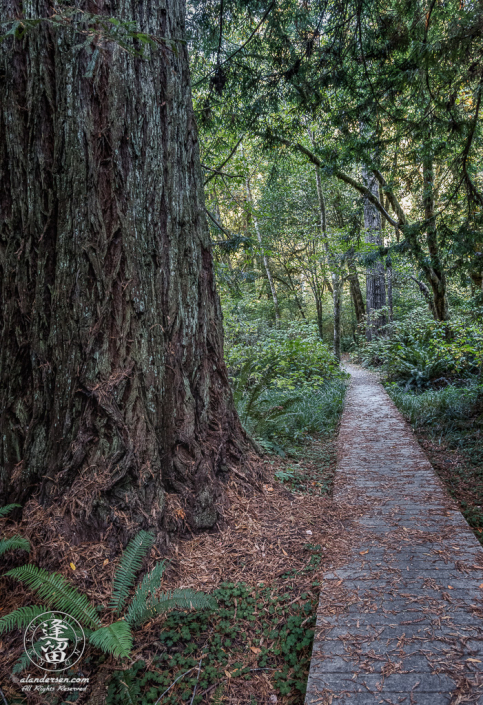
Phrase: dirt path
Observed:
(403, 621)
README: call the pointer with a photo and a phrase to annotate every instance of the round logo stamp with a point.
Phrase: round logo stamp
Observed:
(54, 641)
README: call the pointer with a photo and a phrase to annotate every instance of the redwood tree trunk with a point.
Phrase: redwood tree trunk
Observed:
(114, 396)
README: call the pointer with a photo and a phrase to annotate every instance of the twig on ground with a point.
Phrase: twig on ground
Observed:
(173, 683)
(197, 679)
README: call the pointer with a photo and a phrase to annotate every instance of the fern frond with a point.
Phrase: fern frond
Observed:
(181, 599)
(116, 639)
(129, 691)
(21, 617)
(24, 661)
(144, 592)
(130, 563)
(14, 542)
(56, 591)
(7, 509)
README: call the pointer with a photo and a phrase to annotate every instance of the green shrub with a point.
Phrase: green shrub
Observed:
(292, 357)
(418, 350)
(277, 417)
(423, 409)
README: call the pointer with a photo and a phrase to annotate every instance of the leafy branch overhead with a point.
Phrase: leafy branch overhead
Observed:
(98, 30)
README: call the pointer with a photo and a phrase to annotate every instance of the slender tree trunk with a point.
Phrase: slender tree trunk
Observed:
(355, 287)
(262, 252)
(375, 280)
(334, 273)
(389, 276)
(292, 287)
(437, 277)
(320, 314)
(113, 388)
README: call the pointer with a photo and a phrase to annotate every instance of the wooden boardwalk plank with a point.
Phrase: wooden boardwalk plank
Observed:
(402, 622)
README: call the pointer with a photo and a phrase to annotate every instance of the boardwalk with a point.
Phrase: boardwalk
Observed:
(402, 622)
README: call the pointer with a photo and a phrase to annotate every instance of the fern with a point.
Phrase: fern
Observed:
(181, 599)
(144, 592)
(116, 639)
(14, 542)
(129, 565)
(56, 591)
(7, 509)
(129, 689)
(24, 661)
(21, 617)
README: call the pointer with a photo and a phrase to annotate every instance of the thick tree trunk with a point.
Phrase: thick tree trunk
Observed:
(113, 391)
(375, 279)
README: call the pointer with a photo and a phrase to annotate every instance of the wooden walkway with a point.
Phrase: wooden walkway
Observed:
(402, 622)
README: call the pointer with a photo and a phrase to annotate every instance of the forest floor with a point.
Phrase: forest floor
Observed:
(457, 456)
(264, 564)
(401, 622)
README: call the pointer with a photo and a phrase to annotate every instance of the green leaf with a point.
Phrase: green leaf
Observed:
(13, 543)
(181, 599)
(57, 592)
(129, 565)
(116, 639)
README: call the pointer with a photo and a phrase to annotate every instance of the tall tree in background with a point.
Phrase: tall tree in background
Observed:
(113, 389)
(375, 279)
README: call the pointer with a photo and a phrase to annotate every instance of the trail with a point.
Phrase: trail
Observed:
(402, 622)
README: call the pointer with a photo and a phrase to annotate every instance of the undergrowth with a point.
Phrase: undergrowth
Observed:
(254, 629)
(282, 421)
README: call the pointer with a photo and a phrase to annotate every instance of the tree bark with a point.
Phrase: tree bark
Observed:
(375, 279)
(114, 395)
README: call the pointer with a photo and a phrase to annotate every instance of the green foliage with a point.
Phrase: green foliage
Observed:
(115, 639)
(418, 350)
(182, 599)
(226, 639)
(56, 591)
(280, 419)
(425, 409)
(7, 509)
(129, 565)
(20, 618)
(291, 358)
(13, 543)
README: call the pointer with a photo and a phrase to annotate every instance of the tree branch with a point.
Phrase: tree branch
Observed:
(427, 295)
(343, 177)
(391, 197)
(218, 169)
